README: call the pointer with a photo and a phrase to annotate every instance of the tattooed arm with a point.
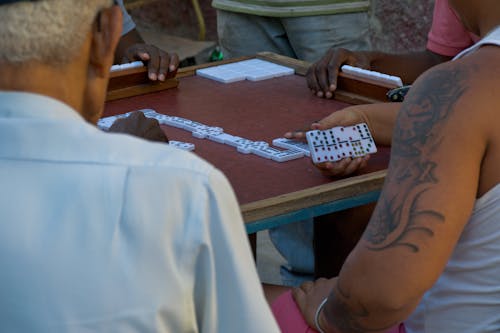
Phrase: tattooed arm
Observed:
(432, 183)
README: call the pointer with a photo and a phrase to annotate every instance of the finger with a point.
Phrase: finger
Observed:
(364, 162)
(136, 52)
(311, 78)
(164, 63)
(337, 60)
(298, 295)
(143, 56)
(333, 120)
(335, 168)
(352, 167)
(153, 63)
(295, 135)
(174, 63)
(322, 74)
(307, 286)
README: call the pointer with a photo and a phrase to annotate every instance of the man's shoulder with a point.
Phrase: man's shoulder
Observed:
(132, 152)
(468, 88)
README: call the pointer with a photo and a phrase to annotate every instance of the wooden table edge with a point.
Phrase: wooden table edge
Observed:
(318, 195)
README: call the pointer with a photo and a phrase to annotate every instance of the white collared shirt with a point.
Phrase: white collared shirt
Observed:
(104, 232)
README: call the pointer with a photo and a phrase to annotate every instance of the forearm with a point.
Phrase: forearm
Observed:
(408, 66)
(345, 312)
(381, 119)
(130, 38)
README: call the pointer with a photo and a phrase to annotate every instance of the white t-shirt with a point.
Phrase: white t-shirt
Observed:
(104, 232)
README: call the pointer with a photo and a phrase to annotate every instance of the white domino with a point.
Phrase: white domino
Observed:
(121, 67)
(287, 155)
(372, 76)
(220, 137)
(252, 70)
(340, 142)
(206, 131)
(181, 145)
(266, 152)
(176, 122)
(219, 73)
(235, 141)
(248, 146)
(293, 145)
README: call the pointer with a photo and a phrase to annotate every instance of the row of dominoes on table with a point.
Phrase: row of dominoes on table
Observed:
(322, 146)
(217, 134)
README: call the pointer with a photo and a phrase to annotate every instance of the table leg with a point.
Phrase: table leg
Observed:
(252, 238)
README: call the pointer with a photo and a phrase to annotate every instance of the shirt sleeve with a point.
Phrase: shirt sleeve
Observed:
(128, 23)
(228, 294)
(448, 35)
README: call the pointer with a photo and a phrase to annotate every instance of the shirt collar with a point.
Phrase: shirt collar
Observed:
(17, 104)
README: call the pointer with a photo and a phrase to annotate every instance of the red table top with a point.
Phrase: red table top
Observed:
(259, 111)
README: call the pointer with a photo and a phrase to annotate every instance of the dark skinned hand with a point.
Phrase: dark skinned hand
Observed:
(137, 124)
(322, 75)
(161, 65)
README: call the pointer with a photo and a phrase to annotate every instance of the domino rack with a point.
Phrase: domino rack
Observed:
(134, 81)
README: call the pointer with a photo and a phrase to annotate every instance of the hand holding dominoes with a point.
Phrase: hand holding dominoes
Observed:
(349, 146)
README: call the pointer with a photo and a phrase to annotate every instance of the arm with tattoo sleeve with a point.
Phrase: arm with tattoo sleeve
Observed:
(421, 211)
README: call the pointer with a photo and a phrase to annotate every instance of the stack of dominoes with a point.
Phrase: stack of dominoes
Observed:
(253, 70)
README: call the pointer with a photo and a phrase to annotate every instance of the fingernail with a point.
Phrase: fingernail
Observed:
(319, 94)
(161, 77)
(333, 87)
(171, 68)
(152, 76)
(329, 95)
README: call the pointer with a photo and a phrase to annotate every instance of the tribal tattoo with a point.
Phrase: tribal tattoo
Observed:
(412, 170)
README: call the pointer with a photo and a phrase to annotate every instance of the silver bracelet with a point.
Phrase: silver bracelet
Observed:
(316, 316)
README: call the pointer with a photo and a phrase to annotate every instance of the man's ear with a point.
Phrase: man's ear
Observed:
(105, 36)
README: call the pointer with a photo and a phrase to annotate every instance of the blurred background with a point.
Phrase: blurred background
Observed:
(189, 27)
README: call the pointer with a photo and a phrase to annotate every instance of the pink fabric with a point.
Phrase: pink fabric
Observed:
(448, 35)
(288, 315)
(290, 319)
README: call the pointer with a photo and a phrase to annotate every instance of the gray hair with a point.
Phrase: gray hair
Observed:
(48, 31)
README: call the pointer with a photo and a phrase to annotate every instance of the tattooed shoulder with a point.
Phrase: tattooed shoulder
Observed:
(412, 170)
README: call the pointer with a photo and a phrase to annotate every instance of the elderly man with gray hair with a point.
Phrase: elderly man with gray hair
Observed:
(105, 232)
